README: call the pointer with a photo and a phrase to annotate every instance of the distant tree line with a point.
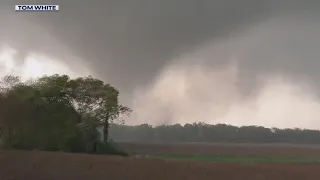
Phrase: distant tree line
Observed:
(57, 113)
(201, 132)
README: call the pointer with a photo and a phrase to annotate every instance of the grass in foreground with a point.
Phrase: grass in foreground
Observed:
(223, 158)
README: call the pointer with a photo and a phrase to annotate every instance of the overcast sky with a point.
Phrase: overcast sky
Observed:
(218, 61)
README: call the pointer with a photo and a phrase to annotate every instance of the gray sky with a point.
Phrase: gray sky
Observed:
(227, 61)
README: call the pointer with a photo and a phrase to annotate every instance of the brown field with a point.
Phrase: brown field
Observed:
(36, 165)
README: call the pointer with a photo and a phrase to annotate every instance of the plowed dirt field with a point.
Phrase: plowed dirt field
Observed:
(36, 165)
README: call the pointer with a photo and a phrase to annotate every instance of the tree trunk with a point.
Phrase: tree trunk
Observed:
(105, 131)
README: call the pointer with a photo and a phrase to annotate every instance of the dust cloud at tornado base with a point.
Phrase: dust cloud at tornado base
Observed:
(277, 88)
(244, 63)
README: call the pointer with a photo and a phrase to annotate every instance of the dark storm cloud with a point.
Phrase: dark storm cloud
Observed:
(130, 41)
(233, 61)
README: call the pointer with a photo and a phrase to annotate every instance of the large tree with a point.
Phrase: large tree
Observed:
(56, 111)
(91, 97)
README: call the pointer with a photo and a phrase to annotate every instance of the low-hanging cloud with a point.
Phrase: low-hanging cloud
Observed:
(182, 94)
(186, 60)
